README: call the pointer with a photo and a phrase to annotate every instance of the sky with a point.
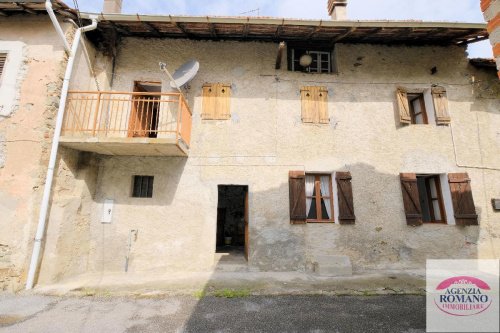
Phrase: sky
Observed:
(426, 10)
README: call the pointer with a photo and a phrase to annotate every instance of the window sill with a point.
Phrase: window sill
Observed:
(320, 221)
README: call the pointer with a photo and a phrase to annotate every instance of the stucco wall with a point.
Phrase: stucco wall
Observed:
(265, 138)
(35, 64)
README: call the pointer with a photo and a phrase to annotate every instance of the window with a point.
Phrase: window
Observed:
(423, 199)
(321, 60)
(216, 101)
(143, 187)
(314, 105)
(417, 109)
(312, 199)
(423, 106)
(3, 58)
(431, 198)
(319, 195)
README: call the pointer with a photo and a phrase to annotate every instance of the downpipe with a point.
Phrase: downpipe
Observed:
(33, 268)
(55, 22)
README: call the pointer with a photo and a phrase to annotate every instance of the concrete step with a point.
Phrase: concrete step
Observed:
(328, 265)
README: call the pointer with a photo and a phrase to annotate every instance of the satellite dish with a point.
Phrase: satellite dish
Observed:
(185, 73)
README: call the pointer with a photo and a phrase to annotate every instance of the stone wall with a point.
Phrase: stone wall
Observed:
(265, 139)
(35, 67)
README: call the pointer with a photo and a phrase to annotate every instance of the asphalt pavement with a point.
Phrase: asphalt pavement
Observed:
(318, 313)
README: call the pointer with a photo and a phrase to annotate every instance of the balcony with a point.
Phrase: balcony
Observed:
(127, 123)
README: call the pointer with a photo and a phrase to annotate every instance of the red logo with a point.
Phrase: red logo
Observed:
(463, 296)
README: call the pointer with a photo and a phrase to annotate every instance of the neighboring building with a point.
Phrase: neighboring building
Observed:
(491, 11)
(32, 62)
(326, 146)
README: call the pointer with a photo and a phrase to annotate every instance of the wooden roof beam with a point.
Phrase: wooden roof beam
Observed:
(473, 40)
(151, 29)
(181, 28)
(246, 29)
(279, 30)
(344, 35)
(26, 9)
(371, 34)
(121, 30)
(315, 30)
(213, 31)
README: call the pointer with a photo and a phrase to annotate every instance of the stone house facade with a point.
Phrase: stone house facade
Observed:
(333, 147)
(32, 62)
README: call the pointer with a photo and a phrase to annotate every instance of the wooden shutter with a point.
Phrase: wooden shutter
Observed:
(297, 188)
(307, 105)
(314, 105)
(403, 106)
(216, 101)
(461, 196)
(345, 200)
(3, 58)
(441, 105)
(411, 200)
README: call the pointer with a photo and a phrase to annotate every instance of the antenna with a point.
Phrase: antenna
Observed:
(252, 11)
(184, 74)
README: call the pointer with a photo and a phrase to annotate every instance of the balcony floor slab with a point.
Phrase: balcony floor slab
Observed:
(126, 146)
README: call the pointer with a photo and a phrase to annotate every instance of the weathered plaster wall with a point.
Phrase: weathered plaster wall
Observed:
(35, 68)
(265, 138)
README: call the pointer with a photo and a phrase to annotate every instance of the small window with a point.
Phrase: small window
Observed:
(417, 109)
(319, 198)
(143, 187)
(3, 59)
(314, 105)
(216, 101)
(313, 60)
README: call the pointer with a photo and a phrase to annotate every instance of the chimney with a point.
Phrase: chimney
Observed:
(337, 9)
(112, 7)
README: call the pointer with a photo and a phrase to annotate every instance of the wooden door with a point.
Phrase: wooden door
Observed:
(246, 225)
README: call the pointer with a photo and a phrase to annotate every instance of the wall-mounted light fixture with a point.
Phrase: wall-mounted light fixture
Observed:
(305, 60)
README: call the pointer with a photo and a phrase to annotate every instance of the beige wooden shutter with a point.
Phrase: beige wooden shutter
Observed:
(209, 98)
(223, 101)
(403, 106)
(441, 105)
(3, 58)
(297, 197)
(307, 105)
(461, 196)
(314, 105)
(322, 104)
(216, 101)
(411, 199)
(345, 199)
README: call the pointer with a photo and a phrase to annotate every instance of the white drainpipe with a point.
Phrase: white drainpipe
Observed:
(55, 143)
(53, 18)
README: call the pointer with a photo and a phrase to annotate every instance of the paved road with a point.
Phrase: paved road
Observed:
(212, 314)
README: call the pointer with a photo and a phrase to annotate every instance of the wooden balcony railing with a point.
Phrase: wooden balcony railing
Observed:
(108, 114)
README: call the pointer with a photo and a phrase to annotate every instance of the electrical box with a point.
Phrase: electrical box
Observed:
(107, 213)
(496, 204)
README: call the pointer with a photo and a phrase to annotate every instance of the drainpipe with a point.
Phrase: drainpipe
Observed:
(53, 18)
(55, 145)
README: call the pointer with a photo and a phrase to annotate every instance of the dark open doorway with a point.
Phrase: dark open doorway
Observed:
(145, 110)
(232, 223)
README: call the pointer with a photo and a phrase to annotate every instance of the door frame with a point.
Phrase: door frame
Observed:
(246, 217)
